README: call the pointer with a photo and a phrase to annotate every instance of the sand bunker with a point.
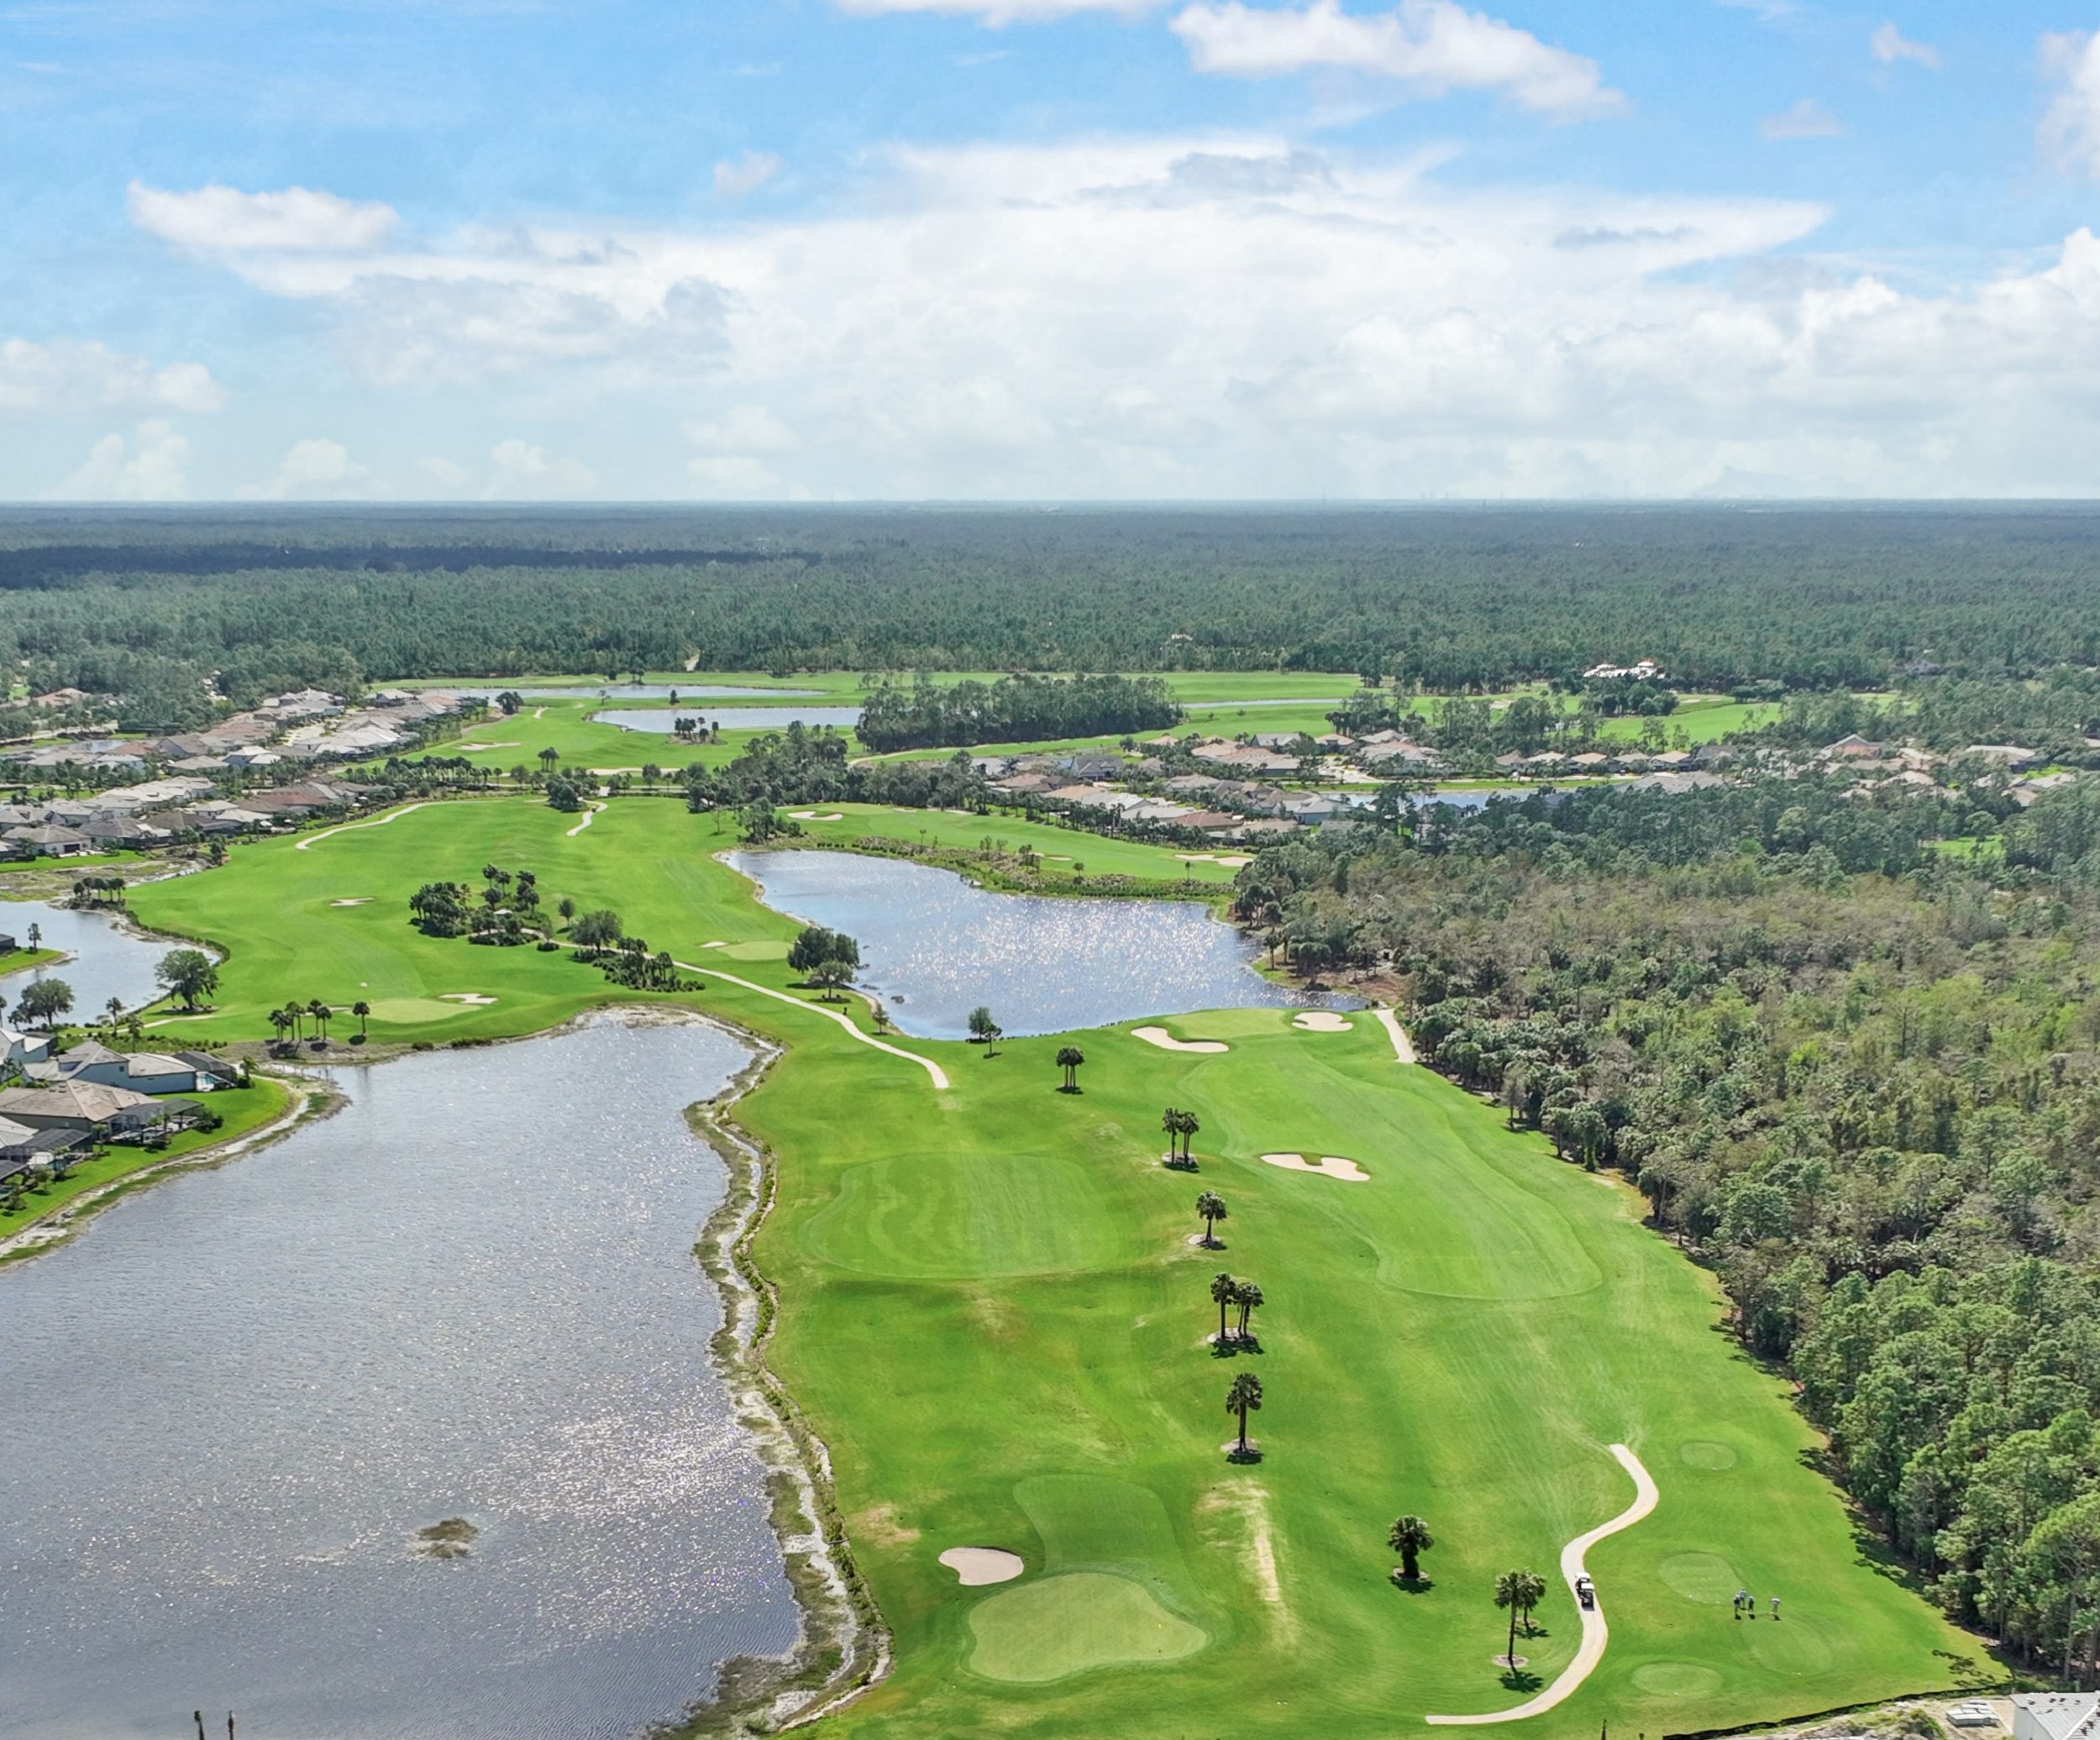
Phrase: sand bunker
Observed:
(473, 997)
(361, 900)
(1231, 861)
(1320, 1021)
(1331, 1165)
(1167, 1042)
(812, 815)
(975, 1566)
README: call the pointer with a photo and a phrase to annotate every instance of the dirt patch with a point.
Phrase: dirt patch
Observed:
(878, 1523)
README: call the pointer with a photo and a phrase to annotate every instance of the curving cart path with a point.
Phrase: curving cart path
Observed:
(1403, 1047)
(846, 1021)
(1595, 1632)
(351, 827)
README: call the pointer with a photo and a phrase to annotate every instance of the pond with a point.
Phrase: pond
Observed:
(234, 1400)
(933, 947)
(633, 692)
(106, 961)
(730, 719)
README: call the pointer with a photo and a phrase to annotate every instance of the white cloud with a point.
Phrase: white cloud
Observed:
(2071, 130)
(744, 174)
(224, 218)
(519, 471)
(153, 466)
(315, 469)
(1889, 45)
(1218, 315)
(996, 12)
(65, 375)
(1806, 119)
(1432, 46)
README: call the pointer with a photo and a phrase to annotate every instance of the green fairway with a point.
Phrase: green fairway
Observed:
(990, 1313)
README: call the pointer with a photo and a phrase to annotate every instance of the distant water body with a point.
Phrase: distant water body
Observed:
(104, 959)
(934, 948)
(233, 1401)
(636, 692)
(662, 720)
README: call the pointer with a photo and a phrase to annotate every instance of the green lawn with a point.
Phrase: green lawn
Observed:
(1704, 718)
(990, 1314)
(1063, 849)
(241, 1109)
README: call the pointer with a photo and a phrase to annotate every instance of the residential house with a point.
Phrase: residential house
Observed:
(17, 1046)
(140, 1071)
(2009, 756)
(2056, 1715)
(70, 1105)
(162, 1117)
(1852, 747)
(50, 841)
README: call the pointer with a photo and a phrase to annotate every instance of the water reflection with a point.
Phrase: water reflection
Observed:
(934, 948)
(234, 1400)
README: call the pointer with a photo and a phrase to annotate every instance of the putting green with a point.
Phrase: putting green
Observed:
(1705, 1453)
(756, 950)
(1705, 1577)
(407, 1010)
(1677, 1680)
(1064, 1625)
(953, 1216)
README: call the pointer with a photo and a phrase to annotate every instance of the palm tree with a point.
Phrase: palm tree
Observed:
(1225, 1290)
(281, 1020)
(1411, 1539)
(295, 1017)
(1519, 1592)
(549, 757)
(321, 1013)
(36, 936)
(1243, 1398)
(983, 1030)
(1211, 1207)
(1248, 1297)
(115, 1006)
(363, 1011)
(1189, 1126)
(1170, 1121)
(1069, 1058)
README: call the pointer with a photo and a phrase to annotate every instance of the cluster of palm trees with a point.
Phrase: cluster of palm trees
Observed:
(1229, 1294)
(291, 1021)
(1069, 1058)
(1519, 1592)
(1180, 1126)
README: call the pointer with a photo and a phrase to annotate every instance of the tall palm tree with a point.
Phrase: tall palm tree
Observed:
(1211, 1207)
(1069, 1058)
(1248, 1297)
(1243, 1398)
(1170, 1121)
(321, 1013)
(281, 1020)
(1532, 1593)
(1189, 1125)
(1411, 1539)
(1225, 1290)
(1518, 1591)
(363, 1011)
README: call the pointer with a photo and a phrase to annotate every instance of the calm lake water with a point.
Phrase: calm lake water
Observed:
(635, 692)
(934, 948)
(234, 1399)
(730, 719)
(106, 962)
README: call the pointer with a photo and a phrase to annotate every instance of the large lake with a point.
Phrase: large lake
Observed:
(233, 1400)
(934, 948)
(106, 962)
(661, 720)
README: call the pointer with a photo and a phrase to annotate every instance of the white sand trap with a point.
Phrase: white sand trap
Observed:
(812, 815)
(361, 900)
(1320, 1021)
(717, 944)
(1167, 1042)
(473, 997)
(1233, 860)
(1331, 1165)
(976, 1566)
(1197, 857)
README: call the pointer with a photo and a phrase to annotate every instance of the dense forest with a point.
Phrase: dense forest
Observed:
(1858, 1077)
(144, 603)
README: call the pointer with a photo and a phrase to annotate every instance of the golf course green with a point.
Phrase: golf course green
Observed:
(991, 1311)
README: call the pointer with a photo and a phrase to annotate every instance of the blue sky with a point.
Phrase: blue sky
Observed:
(1002, 249)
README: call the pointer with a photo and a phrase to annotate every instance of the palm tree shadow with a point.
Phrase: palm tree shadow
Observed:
(1522, 1680)
(1234, 1348)
(1415, 1584)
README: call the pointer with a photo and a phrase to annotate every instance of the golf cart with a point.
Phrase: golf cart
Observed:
(1585, 1590)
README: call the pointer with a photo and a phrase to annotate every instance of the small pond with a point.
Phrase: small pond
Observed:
(661, 720)
(933, 947)
(106, 960)
(234, 1400)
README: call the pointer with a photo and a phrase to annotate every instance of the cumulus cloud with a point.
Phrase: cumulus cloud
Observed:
(1889, 45)
(519, 471)
(745, 174)
(2071, 130)
(1806, 119)
(1432, 47)
(1212, 315)
(66, 375)
(996, 12)
(216, 219)
(315, 469)
(151, 466)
